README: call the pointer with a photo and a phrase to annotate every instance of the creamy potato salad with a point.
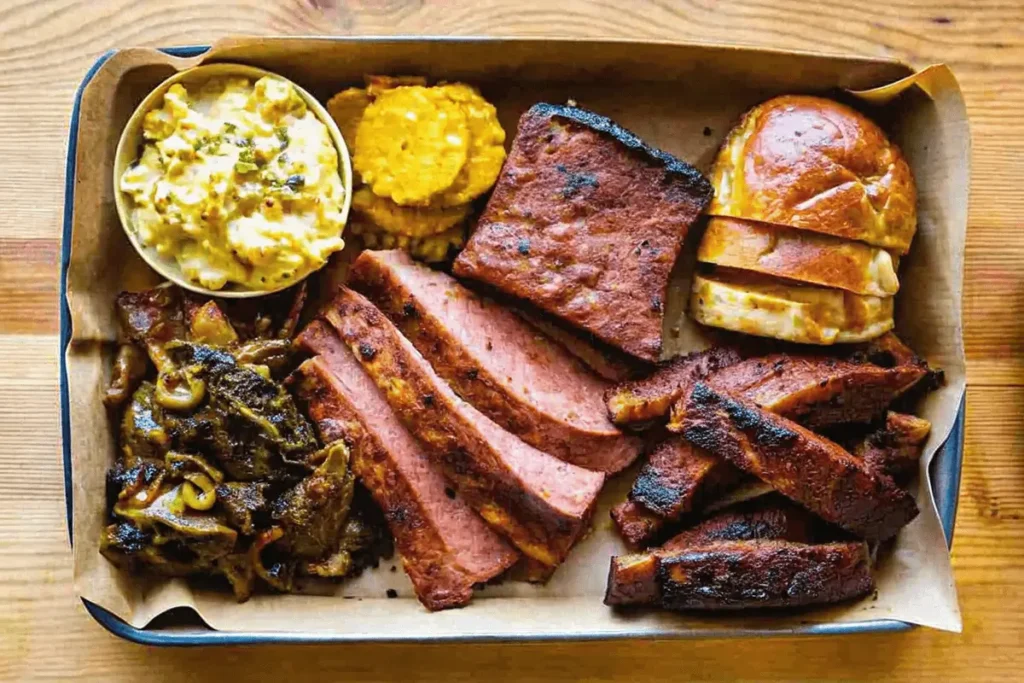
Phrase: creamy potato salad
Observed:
(239, 183)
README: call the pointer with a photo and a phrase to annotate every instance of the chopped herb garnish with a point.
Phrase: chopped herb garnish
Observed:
(230, 127)
(282, 134)
(247, 156)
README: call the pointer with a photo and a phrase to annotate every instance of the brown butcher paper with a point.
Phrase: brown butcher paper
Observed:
(681, 98)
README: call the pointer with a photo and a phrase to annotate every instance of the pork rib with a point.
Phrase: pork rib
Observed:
(727, 575)
(643, 400)
(541, 504)
(805, 467)
(816, 391)
(496, 361)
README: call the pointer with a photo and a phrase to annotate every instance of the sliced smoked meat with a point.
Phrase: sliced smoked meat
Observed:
(805, 467)
(445, 547)
(541, 504)
(585, 222)
(492, 358)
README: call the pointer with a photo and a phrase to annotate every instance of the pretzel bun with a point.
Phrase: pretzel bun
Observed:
(815, 164)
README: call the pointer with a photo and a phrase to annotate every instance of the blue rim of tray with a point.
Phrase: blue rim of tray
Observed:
(945, 477)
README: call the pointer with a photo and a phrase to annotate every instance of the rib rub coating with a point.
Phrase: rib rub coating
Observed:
(803, 466)
(728, 575)
(637, 525)
(895, 448)
(816, 391)
(650, 398)
(586, 222)
(633, 579)
(770, 517)
(541, 504)
(494, 359)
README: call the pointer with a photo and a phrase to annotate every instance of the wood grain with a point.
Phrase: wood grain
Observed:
(47, 45)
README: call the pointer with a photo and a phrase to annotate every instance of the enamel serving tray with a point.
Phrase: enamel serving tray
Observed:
(183, 628)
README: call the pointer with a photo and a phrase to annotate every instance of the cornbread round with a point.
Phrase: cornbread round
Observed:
(411, 144)
(346, 108)
(798, 255)
(815, 164)
(486, 146)
(411, 221)
(795, 313)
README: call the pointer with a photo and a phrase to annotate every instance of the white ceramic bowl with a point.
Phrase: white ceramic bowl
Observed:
(131, 142)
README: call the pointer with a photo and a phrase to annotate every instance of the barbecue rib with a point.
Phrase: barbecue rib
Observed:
(676, 479)
(445, 547)
(637, 525)
(770, 517)
(798, 463)
(647, 399)
(586, 222)
(540, 503)
(741, 575)
(497, 362)
(895, 448)
(816, 391)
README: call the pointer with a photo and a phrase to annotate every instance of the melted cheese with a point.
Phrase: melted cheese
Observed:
(239, 183)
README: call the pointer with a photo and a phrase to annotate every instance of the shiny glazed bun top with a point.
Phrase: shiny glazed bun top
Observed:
(815, 164)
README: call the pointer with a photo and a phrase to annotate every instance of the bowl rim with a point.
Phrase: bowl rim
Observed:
(127, 151)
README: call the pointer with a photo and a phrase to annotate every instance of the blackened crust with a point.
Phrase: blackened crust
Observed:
(694, 180)
(753, 574)
(679, 478)
(805, 467)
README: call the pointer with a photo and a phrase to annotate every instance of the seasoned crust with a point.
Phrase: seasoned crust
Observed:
(798, 255)
(895, 448)
(446, 548)
(815, 164)
(805, 467)
(646, 399)
(496, 361)
(637, 525)
(742, 575)
(679, 478)
(541, 504)
(561, 228)
(765, 518)
(816, 391)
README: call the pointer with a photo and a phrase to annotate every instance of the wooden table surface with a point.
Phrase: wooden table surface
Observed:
(47, 45)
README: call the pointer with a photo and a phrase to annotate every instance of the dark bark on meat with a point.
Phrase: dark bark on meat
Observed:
(516, 376)
(541, 504)
(805, 467)
(643, 400)
(729, 575)
(561, 229)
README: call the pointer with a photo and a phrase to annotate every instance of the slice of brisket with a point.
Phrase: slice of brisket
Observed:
(445, 547)
(541, 504)
(586, 222)
(496, 361)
